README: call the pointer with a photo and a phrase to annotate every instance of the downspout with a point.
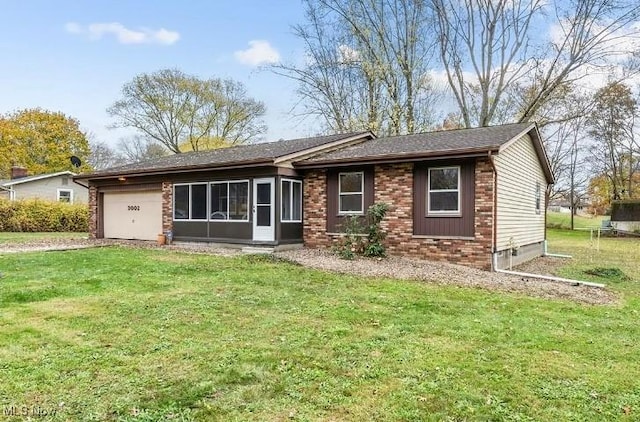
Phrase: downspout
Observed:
(545, 277)
(494, 231)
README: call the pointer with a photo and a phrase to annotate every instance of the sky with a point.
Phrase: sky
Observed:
(75, 56)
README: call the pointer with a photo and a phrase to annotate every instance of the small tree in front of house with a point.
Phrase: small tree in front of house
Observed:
(367, 240)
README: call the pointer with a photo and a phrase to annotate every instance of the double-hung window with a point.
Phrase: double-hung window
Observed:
(229, 201)
(190, 201)
(539, 198)
(443, 191)
(351, 193)
(291, 201)
(65, 195)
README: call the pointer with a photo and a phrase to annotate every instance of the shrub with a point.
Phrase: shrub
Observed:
(364, 240)
(34, 215)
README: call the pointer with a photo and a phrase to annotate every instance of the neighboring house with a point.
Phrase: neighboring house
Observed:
(51, 187)
(467, 196)
(625, 215)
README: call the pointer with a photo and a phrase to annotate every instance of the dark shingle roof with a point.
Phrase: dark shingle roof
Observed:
(244, 154)
(432, 144)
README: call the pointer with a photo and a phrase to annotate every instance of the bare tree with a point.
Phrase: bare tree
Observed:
(138, 148)
(488, 49)
(172, 107)
(102, 155)
(611, 126)
(367, 66)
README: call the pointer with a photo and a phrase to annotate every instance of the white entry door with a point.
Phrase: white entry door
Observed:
(264, 209)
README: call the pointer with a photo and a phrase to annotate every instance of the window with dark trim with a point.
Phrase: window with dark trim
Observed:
(538, 197)
(229, 201)
(291, 198)
(190, 201)
(351, 193)
(443, 191)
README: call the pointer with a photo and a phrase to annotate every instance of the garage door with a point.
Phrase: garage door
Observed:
(132, 215)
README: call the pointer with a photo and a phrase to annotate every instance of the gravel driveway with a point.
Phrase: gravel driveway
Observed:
(391, 267)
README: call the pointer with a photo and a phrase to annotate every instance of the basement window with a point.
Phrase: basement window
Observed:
(443, 191)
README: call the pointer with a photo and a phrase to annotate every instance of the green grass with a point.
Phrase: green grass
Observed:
(559, 220)
(590, 254)
(146, 335)
(24, 237)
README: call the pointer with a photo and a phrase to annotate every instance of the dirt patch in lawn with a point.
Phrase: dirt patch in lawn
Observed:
(449, 274)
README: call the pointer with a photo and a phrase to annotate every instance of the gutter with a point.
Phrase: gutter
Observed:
(391, 158)
(173, 170)
(494, 229)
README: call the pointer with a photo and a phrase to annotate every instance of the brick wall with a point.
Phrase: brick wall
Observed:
(394, 186)
(314, 206)
(93, 212)
(167, 207)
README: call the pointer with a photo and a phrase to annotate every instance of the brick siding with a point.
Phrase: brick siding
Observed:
(167, 207)
(93, 212)
(394, 186)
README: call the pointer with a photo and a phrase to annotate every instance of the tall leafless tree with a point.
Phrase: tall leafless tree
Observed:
(173, 108)
(367, 65)
(489, 48)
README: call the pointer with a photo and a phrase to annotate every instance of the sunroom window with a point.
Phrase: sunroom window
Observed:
(291, 201)
(351, 193)
(190, 201)
(229, 201)
(443, 191)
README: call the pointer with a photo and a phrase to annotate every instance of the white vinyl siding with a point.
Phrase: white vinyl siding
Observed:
(519, 174)
(47, 189)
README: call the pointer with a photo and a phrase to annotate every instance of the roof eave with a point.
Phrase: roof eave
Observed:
(324, 148)
(398, 158)
(174, 170)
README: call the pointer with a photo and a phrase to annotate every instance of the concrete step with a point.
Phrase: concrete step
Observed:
(258, 249)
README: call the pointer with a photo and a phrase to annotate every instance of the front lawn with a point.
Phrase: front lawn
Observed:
(133, 334)
(26, 237)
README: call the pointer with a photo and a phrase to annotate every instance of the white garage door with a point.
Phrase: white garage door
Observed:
(132, 215)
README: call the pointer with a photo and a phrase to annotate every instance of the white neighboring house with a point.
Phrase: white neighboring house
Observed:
(51, 187)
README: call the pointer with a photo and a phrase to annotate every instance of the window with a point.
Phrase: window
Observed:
(65, 195)
(443, 191)
(351, 193)
(291, 201)
(229, 201)
(190, 201)
(538, 197)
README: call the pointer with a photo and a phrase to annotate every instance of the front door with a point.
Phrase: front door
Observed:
(264, 209)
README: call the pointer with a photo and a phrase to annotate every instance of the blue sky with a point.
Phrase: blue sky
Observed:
(74, 56)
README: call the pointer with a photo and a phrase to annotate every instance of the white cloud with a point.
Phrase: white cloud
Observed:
(124, 35)
(347, 54)
(259, 52)
(73, 28)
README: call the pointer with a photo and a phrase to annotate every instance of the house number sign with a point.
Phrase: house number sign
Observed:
(133, 207)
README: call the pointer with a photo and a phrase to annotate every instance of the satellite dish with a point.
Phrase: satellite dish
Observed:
(75, 161)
